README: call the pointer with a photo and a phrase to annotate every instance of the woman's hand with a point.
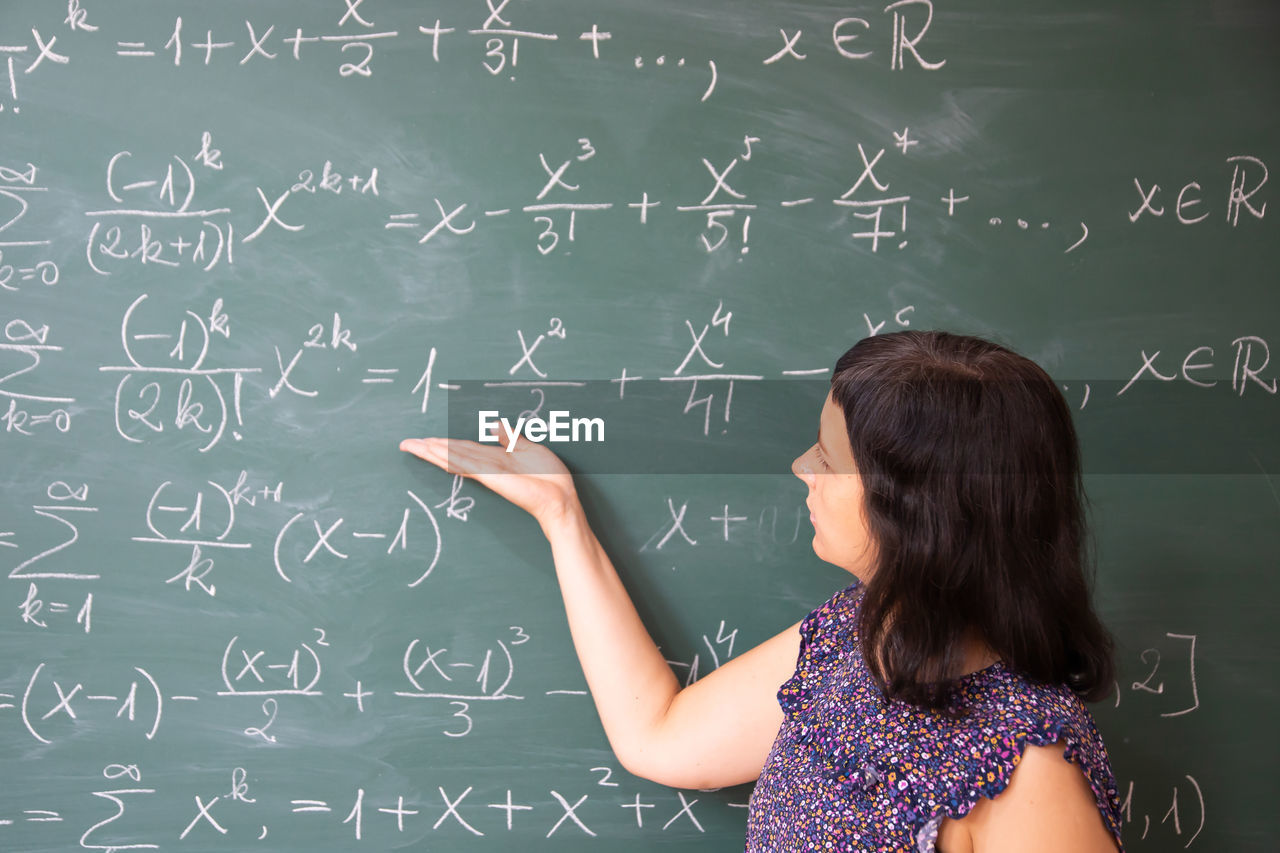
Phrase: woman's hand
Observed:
(530, 476)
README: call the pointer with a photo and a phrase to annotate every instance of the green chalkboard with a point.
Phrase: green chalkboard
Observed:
(246, 247)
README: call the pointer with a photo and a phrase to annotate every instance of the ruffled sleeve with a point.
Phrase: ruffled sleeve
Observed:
(823, 641)
(985, 756)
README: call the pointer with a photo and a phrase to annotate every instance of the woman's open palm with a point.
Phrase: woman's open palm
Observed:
(529, 476)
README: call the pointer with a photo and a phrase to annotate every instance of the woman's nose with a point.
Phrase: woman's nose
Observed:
(801, 467)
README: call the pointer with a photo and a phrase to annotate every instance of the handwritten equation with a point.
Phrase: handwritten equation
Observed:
(153, 217)
(497, 27)
(172, 384)
(244, 809)
(56, 703)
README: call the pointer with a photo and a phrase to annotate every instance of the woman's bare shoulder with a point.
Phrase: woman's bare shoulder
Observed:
(1047, 806)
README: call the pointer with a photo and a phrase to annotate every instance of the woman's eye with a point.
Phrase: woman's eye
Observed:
(821, 461)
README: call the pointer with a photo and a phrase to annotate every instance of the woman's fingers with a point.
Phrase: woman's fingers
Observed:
(428, 449)
(473, 459)
(531, 476)
(455, 455)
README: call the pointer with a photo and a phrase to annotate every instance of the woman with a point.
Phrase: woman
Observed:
(936, 703)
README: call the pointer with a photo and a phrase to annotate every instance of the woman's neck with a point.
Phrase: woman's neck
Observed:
(978, 655)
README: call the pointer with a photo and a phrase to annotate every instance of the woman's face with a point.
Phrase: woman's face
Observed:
(835, 496)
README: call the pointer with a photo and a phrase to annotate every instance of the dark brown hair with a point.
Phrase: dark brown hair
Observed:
(974, 498)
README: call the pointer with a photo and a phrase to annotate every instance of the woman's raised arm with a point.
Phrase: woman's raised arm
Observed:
(712, 733)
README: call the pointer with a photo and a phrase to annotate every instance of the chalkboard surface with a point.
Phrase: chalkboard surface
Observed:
(246, 247)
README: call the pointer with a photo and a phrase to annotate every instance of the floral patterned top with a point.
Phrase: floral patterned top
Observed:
(853, 771)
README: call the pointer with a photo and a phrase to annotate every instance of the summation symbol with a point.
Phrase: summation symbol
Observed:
(28, 411)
